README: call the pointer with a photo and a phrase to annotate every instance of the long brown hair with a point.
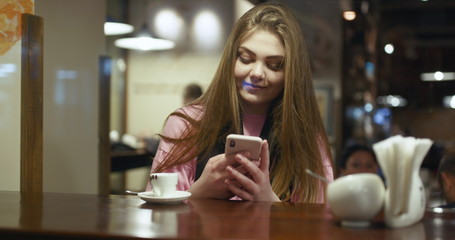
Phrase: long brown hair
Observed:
(297, 129)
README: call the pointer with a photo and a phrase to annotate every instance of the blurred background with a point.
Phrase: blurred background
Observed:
(380, 68)
(375, 65)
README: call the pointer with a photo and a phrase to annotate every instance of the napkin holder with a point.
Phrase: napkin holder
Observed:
(400, 159)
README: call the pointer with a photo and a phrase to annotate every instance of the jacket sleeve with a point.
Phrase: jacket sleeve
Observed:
(174, 128)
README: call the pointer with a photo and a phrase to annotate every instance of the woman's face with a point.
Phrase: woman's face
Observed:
(259, 70)
(360, 162)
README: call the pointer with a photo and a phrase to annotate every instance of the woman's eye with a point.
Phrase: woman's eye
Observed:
(276, 67)
(244, 59)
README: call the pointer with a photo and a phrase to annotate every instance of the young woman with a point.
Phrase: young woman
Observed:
(262, 87)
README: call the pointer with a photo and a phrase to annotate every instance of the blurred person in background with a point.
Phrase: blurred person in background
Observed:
(446, 177)
(358, 158)
(191, 92)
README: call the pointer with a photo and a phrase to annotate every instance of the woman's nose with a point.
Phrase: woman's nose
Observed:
(257, 72)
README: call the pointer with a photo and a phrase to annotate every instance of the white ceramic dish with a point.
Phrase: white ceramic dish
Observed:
(356, 198)
(176, 197)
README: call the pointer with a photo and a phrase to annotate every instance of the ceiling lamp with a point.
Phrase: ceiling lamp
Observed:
(437, 76)
(392, 101)
(349, 15)
(144, 41)
(112, 27)
(449, 101)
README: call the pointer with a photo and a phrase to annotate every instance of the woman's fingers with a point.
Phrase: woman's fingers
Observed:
(242, 169)
(248, 180)
(229, 160)
(265, 156)
(254, 171)
(240, 185)
(239, 191)
(255, 183)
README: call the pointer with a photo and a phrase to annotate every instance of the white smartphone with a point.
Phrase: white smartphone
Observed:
(239, 143)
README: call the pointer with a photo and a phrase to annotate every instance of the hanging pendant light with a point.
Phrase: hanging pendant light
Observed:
(144, 41)
(116, 28)
(113, 27)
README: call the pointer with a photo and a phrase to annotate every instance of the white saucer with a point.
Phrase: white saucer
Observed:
(176, 197)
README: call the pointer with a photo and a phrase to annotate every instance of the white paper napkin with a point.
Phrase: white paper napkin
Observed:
(400, 159)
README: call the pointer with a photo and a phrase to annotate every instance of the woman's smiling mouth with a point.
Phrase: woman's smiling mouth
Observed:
(249, 86)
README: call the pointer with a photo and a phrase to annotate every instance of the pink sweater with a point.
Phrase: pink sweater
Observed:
(174, 127)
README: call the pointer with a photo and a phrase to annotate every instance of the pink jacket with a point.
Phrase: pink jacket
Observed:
(175, 126)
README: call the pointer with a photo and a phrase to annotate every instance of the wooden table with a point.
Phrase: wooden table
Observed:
(78, 216)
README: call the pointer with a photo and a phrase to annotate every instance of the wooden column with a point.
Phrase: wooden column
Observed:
(31, 149)
(104, 148)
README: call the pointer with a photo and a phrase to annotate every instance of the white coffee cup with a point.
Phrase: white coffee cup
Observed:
(356, 198)
(163, 184)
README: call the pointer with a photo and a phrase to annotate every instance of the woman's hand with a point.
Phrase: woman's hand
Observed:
(255, 184)
(212, 184)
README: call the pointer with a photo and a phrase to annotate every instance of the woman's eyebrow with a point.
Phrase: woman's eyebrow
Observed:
(280, 57)
(247, 50)
(276, 57)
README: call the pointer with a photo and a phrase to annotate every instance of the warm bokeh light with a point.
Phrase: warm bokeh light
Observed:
(168, 24)
(349, 15)
(207, 30)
